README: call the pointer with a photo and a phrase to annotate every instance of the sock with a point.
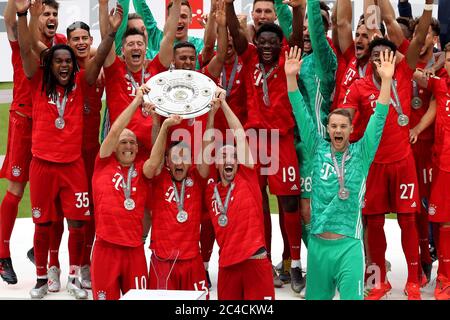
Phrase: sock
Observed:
(56, 232)
(207, 238)
(76, 241)
(293, 225)
(444, 246)
(89, 235)
(422, 229)
(435, 228)
(296, 264)
(286, 252)
(8, 215)
(376, 241)
(268, 232)
(41, 245)
(306, 229)
(410, 244)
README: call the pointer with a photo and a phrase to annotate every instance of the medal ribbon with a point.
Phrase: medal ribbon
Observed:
(61, 106)
(395, 103)
(133, 82)
(362, 71)
(265, 87)
(232, 76)
(127, 187)
(223, 208)
(340, 171)
(179, 199)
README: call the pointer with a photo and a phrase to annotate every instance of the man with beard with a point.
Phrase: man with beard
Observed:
(269, 114)
(236, 214)
(177, 189)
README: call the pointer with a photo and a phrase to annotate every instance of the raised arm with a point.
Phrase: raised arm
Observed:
(216, 64)
(239, 37)
(153, 165)
(308, 131)
(103, 17)
(106, 46)
(298, 16)
(36, 9)
(10, 20)
(29, 61)
(209, 38)
(344, 24)
(170, 29)
(125, 4)
(418, 41)
(372, 18)
(109, 144)
(404, 9)
(374, 130)
(154, 34)
(284, 15)
(393, 27)
(243, 150)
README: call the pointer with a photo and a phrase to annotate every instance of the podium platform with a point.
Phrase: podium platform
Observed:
(164, 295)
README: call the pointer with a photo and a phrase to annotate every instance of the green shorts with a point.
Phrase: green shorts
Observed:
(305, 162)
(335, 264)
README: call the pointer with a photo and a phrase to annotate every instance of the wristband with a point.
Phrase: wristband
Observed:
(22, 14)
(428, 7)
(112, 34)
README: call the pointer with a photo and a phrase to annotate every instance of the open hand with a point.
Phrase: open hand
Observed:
(386, 66)
(293, 64)
(115, 17)
(22, 5)
(173, 120)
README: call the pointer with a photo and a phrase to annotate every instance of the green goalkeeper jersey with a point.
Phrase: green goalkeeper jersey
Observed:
(328, 212)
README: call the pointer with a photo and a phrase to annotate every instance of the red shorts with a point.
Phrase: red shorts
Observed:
(178, 274)
(392, 187)
(51, 182)
(422, 155)
(277, 165)
(116, 269)
(248, 280)
(18, 153)
(439, 208)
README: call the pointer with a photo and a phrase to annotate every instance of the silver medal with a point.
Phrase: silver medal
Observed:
(344, 194)
(223, 220)
(266, 100)
(416, 103)
(129, 204)
(182, 216)
(60, 123)
(403, 120)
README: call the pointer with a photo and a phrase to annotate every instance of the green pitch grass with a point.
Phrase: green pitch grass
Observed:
(6, 85)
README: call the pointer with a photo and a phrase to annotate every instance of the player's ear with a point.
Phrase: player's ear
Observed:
(351, 128)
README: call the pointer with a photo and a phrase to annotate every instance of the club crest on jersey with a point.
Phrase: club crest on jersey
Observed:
(16, 171)
(189, 182)
(36, 212)
(101, 295)
(432, 209)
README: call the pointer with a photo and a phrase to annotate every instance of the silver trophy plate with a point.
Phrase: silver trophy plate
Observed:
(183, 92)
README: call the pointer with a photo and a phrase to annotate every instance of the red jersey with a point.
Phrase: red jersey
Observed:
(277, 115)
(340, 73)
(233, 80)
(21, 91)
(417, 114)
(113, 222)
(48, 142)
(362, 96)
(172, 239)
(91, 116)
(244, 233)
(441, 148)
(120, 92)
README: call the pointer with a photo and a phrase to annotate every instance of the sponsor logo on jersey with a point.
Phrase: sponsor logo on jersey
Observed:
(16, 171)
(36, 212)
(326, 171)
(432, 209)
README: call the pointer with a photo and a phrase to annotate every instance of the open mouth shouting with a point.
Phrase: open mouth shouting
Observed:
(136, 57)
(359, 50)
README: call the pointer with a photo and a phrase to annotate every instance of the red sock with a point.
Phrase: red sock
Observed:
(410, 244)
(207, 238)
(41, 246)
(89, 235)
(422, 229)
(56, 232)
(76, 241)
(376, 241)
(8, 215)
(293, 225)
(444, 248)
(435, 228)
(286, 249)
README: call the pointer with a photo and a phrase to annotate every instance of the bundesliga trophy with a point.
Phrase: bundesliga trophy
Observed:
(183, 92)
